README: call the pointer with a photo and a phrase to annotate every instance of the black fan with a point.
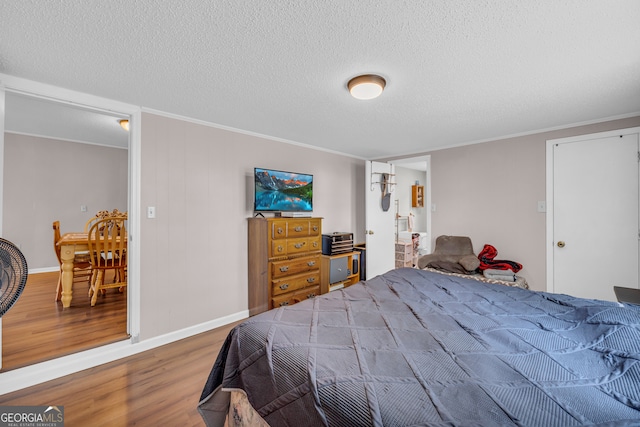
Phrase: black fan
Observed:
(13, 274)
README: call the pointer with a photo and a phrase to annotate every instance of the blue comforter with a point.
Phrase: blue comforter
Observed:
(414, 347)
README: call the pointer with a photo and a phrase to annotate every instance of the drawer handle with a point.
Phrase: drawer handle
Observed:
(280, 248)
(313, 295)
(298, 228)
(280, 231)
(284, 303)
(284, 286)
(299, 245)
(315, 244)
(311, 263)
(284, 268)
(315, 228)
(311, 279)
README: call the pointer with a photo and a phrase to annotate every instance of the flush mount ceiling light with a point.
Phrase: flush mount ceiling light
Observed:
(367, 86)
(125, 124)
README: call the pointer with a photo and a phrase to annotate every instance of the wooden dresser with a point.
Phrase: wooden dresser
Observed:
(284, 261)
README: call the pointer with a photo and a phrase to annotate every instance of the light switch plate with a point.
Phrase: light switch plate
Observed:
(151, 212)
(542, 206)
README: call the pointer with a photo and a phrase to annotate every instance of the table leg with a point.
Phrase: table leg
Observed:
(67, 254)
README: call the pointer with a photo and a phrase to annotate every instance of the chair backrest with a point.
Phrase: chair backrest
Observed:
(107, 240)
(628, 295)
(56, 238)
(90, 222)
(102, 215)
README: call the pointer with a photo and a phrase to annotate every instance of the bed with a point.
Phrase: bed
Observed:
(414, 347)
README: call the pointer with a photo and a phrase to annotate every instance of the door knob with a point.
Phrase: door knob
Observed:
(370, 232)
(561, 244)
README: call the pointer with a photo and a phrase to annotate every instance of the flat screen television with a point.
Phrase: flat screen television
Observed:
(281, 191)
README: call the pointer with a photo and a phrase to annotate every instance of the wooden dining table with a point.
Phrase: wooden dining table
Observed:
(70, 245)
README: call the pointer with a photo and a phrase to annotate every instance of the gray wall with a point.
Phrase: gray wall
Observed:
(47, 180)
(489, 192)
(200, 179)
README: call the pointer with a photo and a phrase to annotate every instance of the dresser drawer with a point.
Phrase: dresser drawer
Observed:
(289, 228)
(296, 246)
(278, 229)
(315, 244)
(297, 228)
(286, 247)
(293, 283)
(315, 227)
(303, 227)
(295, 297)
(294, 266)
(278, 248)
(292, 247)
(293, 228)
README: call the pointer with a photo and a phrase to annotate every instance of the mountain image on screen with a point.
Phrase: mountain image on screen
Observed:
(283, 191)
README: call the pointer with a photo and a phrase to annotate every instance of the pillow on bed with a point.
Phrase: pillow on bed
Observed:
(469, 262)
(448, 266)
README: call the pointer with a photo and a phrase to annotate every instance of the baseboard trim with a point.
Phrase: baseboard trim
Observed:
(28, 376)
(44, 270)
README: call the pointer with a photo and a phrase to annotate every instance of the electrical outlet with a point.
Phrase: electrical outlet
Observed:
(83, 208)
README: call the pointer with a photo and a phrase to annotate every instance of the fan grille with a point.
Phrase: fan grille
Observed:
(13, 274)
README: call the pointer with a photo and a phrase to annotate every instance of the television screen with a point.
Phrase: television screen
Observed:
(280, 191)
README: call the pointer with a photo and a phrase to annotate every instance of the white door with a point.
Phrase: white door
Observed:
(595, 215)
(1, 185)
(380, 238)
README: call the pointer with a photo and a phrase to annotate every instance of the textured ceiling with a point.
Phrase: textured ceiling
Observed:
(457, 71)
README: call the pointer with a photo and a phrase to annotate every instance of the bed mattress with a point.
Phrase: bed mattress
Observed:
(415, 347)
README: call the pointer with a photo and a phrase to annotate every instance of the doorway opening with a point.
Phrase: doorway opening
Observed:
(71, 161)
(383, 226)
(413, 216)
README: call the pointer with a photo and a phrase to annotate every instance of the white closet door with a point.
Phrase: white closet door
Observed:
(595, 215)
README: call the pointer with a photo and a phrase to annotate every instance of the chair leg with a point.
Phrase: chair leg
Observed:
(98, 282)
(121, 278)
(92, 282)
(59, 287)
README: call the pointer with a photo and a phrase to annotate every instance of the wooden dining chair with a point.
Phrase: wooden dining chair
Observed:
(101, 215)
(90, 222)
(81, 263)
(107, 241)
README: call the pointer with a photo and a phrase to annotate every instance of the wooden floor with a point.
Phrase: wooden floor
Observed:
(37, 328)
(159, 387)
